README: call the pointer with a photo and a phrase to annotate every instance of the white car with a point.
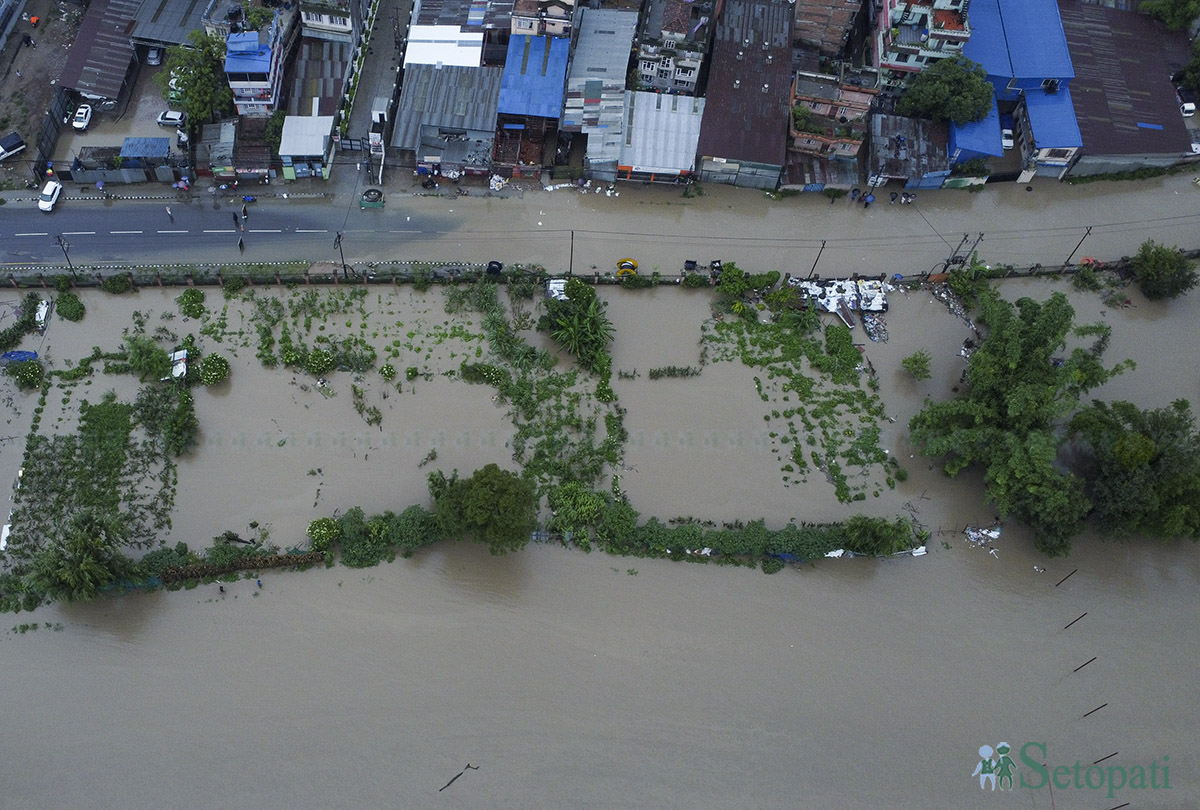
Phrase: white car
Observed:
(154, 57)
(50, 194)
(1006, 139)
(171, 118)
(83, 117)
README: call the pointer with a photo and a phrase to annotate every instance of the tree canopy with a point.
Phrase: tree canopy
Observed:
(84, 562)
(1008, 420)
(1162, 272)
(493, 506)
(1144, 475)
(948, 90)
(198, 66)
(1177, 14)
(580, 324)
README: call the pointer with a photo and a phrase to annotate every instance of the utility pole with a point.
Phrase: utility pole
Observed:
(819, 252)
(1086, 234)
(337, 243)
(958, 258)
(66, 246)
(571, 262)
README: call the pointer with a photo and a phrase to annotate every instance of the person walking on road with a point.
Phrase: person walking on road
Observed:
(237, 223)
(241, 245)
(170, 216)
(245, 211)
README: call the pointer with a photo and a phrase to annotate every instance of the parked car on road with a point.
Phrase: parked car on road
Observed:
(154, 57)
(50, 195)
(83, 117)
(171, 118)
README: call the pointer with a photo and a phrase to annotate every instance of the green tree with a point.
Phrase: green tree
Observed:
(147, 359)
(323, 533)
(1018, 394)
(84, 562)
(198, 65)
(213, 369)
(1143, 469)
(413, 529)
(1177, 14)
(27, 374)
(951, 89)
(579, 324)
(257, 17)
(1162, 272)
(917, 364)
(493, 506)
(877, 536)
(1191, 72)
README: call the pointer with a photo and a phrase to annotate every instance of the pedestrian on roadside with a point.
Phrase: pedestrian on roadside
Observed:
(259, 581)
(245, 211)
(892, 198)
(170, 216)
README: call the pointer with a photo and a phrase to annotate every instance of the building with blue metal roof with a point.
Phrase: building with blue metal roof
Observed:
(534, 76)
(1023, 49)
(254, 68)
(977, 139)
(531, 99)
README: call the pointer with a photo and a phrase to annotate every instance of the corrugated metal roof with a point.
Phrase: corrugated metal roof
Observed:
(146, 148)
(602, 51)
(470, 14)
(1052, 119)
(305, 135)
(452, 96)
(595, 97)
(749, 84)
(1020, 39)
(1123, 63)
(534, 73)
(101, 55)
(904, 148)
(661, 131)
(168, 21)
(978, 136)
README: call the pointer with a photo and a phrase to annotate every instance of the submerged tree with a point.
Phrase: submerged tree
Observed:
(580, 324)
(87, 560)
(1163, 272)
(1144, 469)
(493, 506)
(1008, 420)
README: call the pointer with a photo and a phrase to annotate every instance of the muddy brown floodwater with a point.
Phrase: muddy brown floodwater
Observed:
(575, 680)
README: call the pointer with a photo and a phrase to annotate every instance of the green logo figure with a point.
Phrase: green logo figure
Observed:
(1005, 767)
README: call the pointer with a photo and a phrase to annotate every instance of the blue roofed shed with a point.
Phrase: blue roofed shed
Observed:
(244, 54)
(534, 76)
(976, 139)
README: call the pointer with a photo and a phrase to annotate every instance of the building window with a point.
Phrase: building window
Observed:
(664, 74)
(1058, 154)
(525, 24)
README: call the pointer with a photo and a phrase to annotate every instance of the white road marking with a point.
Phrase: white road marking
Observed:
(79, 233)
(266, 230)
(171, 231)
(227, 230)
(123, 232)
(312, 230)
(31, 234)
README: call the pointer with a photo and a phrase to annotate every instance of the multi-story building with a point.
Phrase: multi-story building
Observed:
(674, 42)
(553, 18)
(333, 20)
(913, 34)
(829, 125)
(254, 68)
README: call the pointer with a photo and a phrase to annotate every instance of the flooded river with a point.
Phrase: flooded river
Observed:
(572, 680)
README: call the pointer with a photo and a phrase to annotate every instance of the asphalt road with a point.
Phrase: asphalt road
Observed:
(564, 229)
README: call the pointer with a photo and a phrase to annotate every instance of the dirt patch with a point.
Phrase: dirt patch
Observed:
(30, 73)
